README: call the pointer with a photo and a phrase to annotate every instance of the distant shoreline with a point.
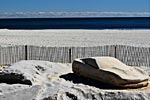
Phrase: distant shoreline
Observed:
(107, 17)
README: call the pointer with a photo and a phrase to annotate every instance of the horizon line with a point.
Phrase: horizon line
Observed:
(71, 14)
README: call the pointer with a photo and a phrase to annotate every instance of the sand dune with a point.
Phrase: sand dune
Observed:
(55, 81)
(78, 37)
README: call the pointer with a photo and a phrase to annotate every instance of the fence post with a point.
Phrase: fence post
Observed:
(26, 53)
(115, 51)
(149, 57)
(69, 55)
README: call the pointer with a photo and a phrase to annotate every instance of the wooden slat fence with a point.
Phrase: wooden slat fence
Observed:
(11, 54)
(53, 54)
(135, 56)
(81, 52)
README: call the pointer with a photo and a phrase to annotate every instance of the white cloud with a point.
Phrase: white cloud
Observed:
(72, 14)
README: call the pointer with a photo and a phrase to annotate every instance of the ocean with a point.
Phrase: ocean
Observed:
(76, 23)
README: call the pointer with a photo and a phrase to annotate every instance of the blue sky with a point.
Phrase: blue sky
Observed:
(74, 5)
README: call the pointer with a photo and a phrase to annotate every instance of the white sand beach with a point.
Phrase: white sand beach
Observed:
(67, 37)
